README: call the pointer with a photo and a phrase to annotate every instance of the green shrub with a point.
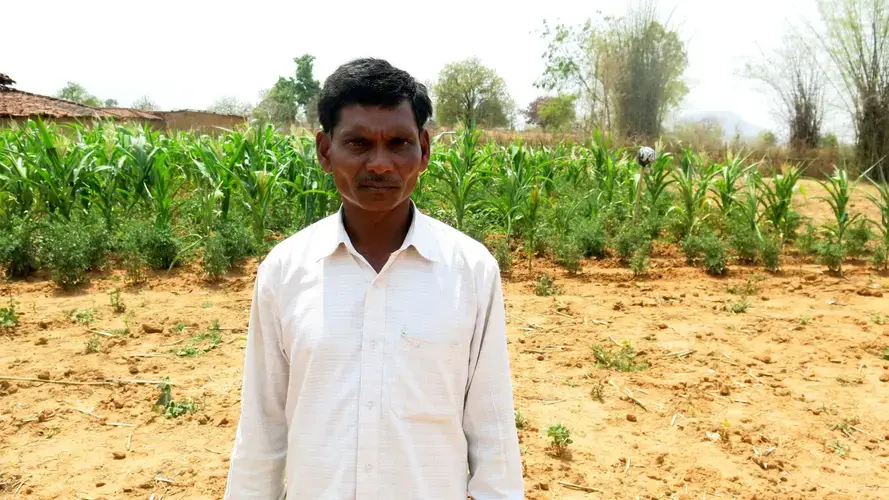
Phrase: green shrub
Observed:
(807, 243)
(9, 318)
(592, 239)
(546, 287)
(770, 251)
(640, 261)
(744, 241)
(237, 240)
(714, 255)
(143, 243)
(569, 254)
(857, 237)
(630, 239)
(214, 261)
(18, 247)
(503, 254)
(560, 438)
(622, 359)
(71, 248)
(831, 254)
(692, 247)
(879, 259)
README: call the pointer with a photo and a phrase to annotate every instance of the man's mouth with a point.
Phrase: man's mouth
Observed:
(378, 187)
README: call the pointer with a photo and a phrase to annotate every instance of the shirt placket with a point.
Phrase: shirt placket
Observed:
(370, 392)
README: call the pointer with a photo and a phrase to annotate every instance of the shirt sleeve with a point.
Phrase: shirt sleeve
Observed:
(495, 464)
(258, 459)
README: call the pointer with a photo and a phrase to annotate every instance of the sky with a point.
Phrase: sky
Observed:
(188, 53)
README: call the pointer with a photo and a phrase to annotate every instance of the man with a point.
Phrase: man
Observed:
(376, 363)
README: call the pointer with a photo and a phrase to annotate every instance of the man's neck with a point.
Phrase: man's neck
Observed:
(375, 235)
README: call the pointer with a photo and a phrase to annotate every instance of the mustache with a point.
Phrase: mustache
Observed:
(372, 178)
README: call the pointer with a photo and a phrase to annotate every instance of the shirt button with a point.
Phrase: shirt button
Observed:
(370, 405)
(373, 344)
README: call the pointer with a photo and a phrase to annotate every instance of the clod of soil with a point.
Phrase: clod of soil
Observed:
(540, 357)
(884, 378)
(134, 369)
(41, 341)
(662, 326)
(151, 328)
(631, 417)
(43, 375)
(119, 455)
(870, 292)
(42, 324)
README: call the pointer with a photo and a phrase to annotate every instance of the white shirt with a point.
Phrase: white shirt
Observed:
(377, 386)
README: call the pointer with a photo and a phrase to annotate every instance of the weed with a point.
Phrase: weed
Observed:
(560, 438)
(9, 318)
(885, 354)
(738, 307)
(807, 243)
(714, 256)
(215, 262)
(597, 392)
(503, 254)
(878, 319)
(206, 305)
(70, 249)
(201, 343)
(173, 409)
(858, 236)
(747, 289)
(592, 239)
(568, 255)
(83, 316)
(520, 420)
(831, 254)
(546, 287)
(92, 345)
(839, 448)
(180, 327)
(116, 301)
(631, 239)
(805, 320)
(639, 262)
(622, 360)
(847, 425)
(770, 252)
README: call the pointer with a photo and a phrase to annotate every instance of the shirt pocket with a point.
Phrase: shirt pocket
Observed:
(426, 379)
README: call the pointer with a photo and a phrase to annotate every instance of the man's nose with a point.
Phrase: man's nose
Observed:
(380, 161)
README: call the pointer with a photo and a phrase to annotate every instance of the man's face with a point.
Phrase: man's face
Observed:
(375, 155)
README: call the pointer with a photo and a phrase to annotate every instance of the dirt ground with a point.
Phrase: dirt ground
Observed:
(787, 400)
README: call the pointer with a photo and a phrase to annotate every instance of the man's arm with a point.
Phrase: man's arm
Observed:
(495, 464)
(260, 451)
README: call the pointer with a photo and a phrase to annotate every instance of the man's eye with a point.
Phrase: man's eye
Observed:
(399, 143)
(356, 143)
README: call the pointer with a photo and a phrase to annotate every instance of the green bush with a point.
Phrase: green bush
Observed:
(569, 254)
(807, 243)
(744, 241)
(630, 239)
(857, 237)
(237, 239)
(831, 254)
(18, 247)
(640, 261)
(879, 259)
(214, 261)
(503, 254)
(592, 239)
(714, 255)
(770, 251)
(71, 248)
(143, 243)
(692, 247)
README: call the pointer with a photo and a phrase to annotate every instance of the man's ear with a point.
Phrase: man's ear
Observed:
(424, 149)
(322, 150)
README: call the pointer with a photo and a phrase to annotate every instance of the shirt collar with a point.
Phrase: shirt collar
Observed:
(421, 235)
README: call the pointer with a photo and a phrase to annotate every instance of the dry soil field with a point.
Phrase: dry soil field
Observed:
(789, 399)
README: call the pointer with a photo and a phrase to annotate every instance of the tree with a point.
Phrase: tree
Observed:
(468, 92)
(111, 103)
(856, 39)
(627, 71)
(792, 74)
(145, 103)
(292, 97)
(552, 113)
(76, 92)
(229, 105)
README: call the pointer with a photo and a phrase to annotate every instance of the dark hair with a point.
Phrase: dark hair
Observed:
(371, 82)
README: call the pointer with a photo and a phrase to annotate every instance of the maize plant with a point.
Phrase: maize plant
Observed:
(840, 192)
(692, 183)
(881, 201)
(777, 200)
(459, 171)
(725, 186)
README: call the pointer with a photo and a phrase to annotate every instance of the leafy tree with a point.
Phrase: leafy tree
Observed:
(145, 103)
(792, 74)
(532, 113)
(230, 105)
(468, 91)
(558, 113)
(292, 97)
(856, 39)
(627, 71)
(111, 103)
(76, 92)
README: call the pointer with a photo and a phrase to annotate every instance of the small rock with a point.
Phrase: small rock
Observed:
(43, 375)
(631, 417)
(810, 277)
(884, 378)
(100, 484)
(41, 341)
(618, 306)
(204, 420)
(540, 358)
(764, 298)
(223, 422)
(134, 369)
(149, 328)
(117, 403)
(119, 455)
(521, 341)
(869, 292)
(725, 391)
(43, 324)
(543, 486)
(128, 490)
(662, 326)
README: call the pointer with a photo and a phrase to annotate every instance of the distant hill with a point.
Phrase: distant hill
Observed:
(727, 120)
